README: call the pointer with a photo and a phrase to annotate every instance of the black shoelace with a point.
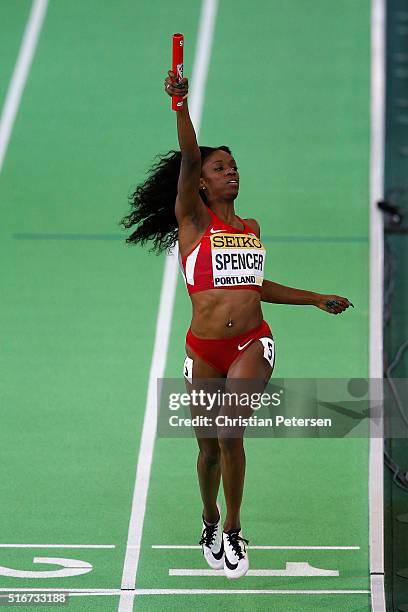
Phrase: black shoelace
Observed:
(235, 540)
(208, 535)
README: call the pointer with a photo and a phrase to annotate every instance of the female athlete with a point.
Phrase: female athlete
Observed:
(189, 196)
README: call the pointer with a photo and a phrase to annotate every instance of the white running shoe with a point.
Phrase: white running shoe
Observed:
(236, 562)
(212, 544)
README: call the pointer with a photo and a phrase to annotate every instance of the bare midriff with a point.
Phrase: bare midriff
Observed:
(224, 313)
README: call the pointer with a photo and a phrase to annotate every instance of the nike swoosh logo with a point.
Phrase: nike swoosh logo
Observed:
(212, 231)
(230, 566)
(240, 348)
(220, 553)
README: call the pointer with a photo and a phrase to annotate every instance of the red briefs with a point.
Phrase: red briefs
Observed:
(220, 353)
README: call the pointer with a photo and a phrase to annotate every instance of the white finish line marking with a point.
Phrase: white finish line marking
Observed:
(57, 546)
(195, 546)
(292, 569)
(246, 592)
(89, 592)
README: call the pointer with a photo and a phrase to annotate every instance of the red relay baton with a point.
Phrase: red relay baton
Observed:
(177, 102)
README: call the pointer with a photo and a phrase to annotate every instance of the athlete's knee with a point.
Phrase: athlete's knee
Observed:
(230, 445)
(210, 457)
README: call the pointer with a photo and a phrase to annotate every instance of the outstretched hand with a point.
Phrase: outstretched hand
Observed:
(173, 87)
(334, 304)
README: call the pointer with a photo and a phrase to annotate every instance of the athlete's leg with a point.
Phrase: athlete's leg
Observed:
(252, 364)
(208, 461)
(209, 476)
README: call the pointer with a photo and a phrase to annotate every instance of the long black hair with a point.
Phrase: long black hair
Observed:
(152, 203)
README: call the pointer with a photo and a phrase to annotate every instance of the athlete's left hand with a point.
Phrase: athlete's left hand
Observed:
(334, 304)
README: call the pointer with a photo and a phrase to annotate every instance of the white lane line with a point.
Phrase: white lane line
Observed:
(195, 546)
(89, 592)
(291, 570)
(202, 56)
(149, 425)
(376, 484)
(21, 70)
(199, 77)
(57, 546)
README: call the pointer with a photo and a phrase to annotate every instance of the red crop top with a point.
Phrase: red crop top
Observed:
(224, 258)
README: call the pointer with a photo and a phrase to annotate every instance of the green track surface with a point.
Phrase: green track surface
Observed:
(288, 91)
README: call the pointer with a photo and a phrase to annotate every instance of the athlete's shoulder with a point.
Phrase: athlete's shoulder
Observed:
(254, 225)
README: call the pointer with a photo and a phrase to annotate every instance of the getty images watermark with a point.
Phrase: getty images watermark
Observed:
(284, 408)
(227, 401)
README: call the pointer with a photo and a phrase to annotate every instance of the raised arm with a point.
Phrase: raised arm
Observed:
(188, 202)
